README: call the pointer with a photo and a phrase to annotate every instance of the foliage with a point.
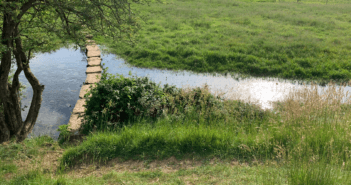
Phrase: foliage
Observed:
(122, 99)
(117, 101)
(64, 134)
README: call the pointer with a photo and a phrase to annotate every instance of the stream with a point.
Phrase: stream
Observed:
(63, 73)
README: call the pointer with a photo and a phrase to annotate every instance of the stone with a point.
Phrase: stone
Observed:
(91, 78)
(94, 69)
(85, 89)
(94, 61)
(92, 48)
(75, 123)
(93, 53)
(79, 108)
(89, 36)
(90, 42)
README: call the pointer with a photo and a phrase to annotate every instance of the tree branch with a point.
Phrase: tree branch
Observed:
(25, 7)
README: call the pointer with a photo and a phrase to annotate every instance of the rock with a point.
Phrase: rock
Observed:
(94, 53)
(75, 122)
(94, 69)
(79, 107)
(94, 61)
(91, 78)
(84, 90)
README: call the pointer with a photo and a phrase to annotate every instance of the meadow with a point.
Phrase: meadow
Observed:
(138, 132)
(306, 40)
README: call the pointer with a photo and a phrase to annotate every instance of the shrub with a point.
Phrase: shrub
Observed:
(118, 101)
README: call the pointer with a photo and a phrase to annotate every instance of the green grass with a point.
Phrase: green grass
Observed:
(205, 174)
(260, 139)
(238, 131)
(307, 40)
(28, 148)
(304, 140)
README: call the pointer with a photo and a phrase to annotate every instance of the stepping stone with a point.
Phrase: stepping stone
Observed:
(85, 89)
(89, 36)
(94, 61)
(94, 53)
(90, 42)
(92, 48)
(75, 123)
(94, 69)
(91, 78)
(79, 106)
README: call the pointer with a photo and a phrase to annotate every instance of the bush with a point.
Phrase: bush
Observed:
(118, 101)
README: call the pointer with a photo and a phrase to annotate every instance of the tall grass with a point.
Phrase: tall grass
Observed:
(309, 132)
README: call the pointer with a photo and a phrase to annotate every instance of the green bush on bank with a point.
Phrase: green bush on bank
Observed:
(118, 101)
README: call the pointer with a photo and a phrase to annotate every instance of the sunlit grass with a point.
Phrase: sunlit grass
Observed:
(306, 40)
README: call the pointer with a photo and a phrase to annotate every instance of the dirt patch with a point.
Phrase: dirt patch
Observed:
(166, 166)
(169, 165)
(48, 161)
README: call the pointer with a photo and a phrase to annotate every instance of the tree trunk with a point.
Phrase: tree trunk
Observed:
(8, 25)
(11, 124)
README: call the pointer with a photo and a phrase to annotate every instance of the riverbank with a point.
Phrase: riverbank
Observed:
(241, 144)
(298, 41)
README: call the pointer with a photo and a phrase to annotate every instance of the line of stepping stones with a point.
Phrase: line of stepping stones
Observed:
(93, 76)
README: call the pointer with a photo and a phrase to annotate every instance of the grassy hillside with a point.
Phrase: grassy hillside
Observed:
(305, 40)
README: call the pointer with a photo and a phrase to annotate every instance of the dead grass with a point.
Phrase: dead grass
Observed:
(307, 104)
(170, 165)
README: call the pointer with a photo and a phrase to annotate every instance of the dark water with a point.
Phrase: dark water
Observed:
(63, 73)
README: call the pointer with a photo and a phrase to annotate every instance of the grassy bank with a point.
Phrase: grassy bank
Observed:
(305, 140)
(306, 40)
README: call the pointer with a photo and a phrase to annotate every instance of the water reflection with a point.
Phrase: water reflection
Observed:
(63, 73)
(259, 91)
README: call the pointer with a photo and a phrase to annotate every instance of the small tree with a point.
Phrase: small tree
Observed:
(32, 25)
